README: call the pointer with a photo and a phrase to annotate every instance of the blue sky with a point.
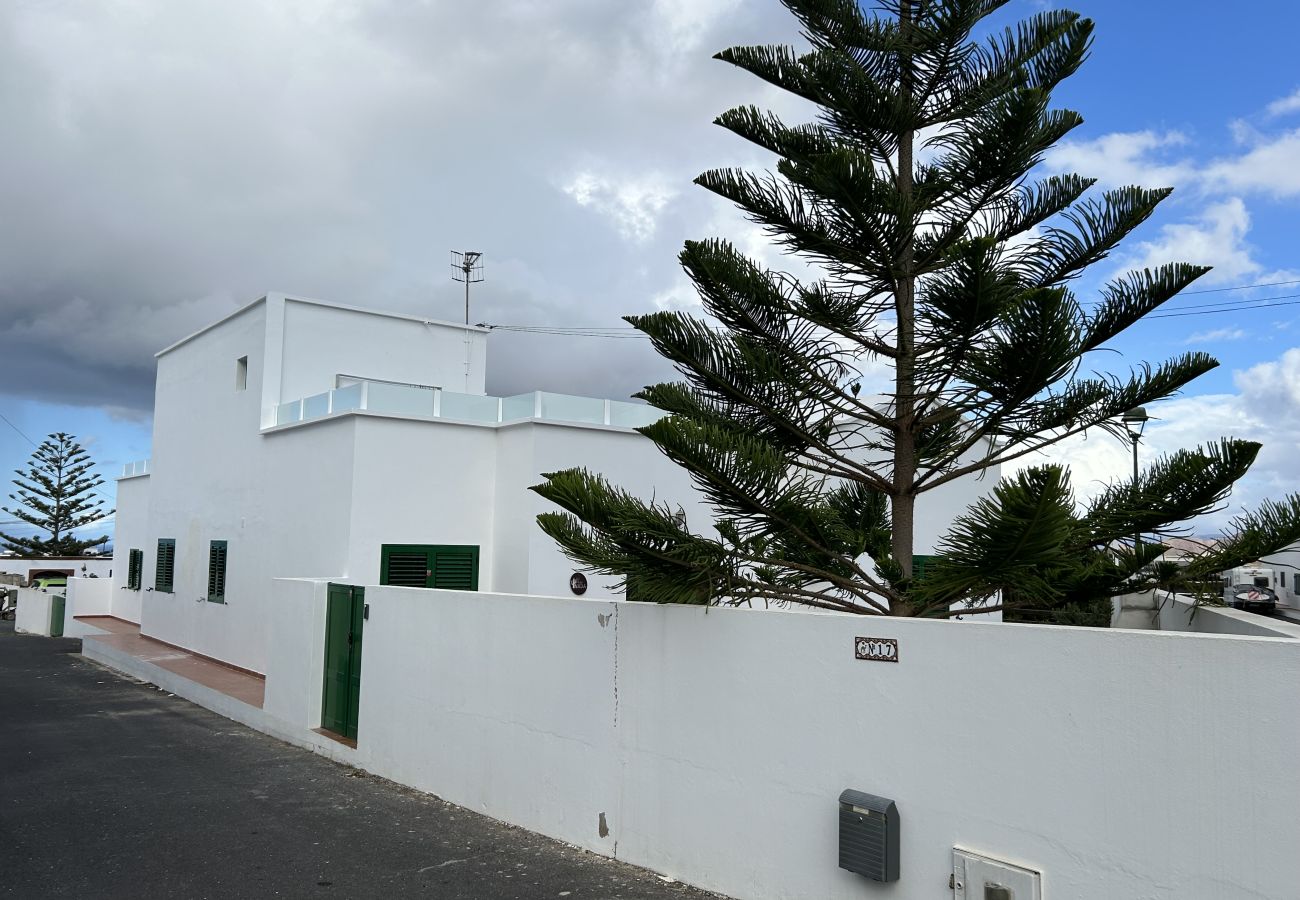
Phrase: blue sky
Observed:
(173, 161)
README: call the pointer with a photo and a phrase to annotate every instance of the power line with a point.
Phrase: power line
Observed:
(1210, 312)
(19, 430)
(1239, 287)
(34, 444)
(1242, 304)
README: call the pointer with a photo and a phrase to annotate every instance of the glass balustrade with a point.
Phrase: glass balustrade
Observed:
(429, 402)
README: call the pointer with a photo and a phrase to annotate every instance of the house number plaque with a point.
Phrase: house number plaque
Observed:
(876, 649)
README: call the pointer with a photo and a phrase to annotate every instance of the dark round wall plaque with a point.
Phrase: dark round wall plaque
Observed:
(578, 583)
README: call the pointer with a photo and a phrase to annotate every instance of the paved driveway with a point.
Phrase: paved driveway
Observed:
(110, 788)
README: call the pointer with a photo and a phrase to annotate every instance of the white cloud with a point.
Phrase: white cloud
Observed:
(684, 24)
(632, 203)
(1265, 408)
(1217, 237)
(1218, 334)
(1268, 165)
(1271, 166)
(1123, 158)
(1284, 105)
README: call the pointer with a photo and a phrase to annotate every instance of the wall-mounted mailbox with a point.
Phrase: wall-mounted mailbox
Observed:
(869, 835)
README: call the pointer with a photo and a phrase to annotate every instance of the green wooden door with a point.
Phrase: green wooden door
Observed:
(354, 669)
(341, 704)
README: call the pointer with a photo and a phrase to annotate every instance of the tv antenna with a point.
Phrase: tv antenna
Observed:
(467, 266)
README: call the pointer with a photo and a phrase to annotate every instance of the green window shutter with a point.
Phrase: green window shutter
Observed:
(404, 565)
(165, 570)
(455, 568)
(921, 563)
(134, 569)
(217, 572)
(447, 566)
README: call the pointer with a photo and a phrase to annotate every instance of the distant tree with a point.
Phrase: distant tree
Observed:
(54, 495)
(944, 255)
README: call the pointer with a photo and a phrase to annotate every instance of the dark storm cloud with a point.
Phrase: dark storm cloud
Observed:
(168, 162)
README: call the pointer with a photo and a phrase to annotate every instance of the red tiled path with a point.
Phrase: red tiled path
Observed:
(125, 636)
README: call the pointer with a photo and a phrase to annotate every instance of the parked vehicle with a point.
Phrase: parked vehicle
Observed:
(8, 602)
(51, 582)
(1252, 598)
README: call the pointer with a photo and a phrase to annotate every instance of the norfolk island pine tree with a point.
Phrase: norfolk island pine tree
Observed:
(942, 252)
(54, 495)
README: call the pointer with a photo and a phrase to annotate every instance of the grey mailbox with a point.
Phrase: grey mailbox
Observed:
(869, 835)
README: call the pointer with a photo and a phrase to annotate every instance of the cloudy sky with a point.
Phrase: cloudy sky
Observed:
(170, 160)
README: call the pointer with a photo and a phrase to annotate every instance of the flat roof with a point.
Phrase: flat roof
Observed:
(308, 301)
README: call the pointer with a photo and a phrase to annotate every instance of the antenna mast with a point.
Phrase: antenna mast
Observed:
(467, 266)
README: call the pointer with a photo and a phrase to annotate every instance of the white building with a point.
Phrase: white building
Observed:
(296, 438)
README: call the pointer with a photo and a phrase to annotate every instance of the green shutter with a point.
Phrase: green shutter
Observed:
(404, 566)
(455, 568)
(922, 562)
(217, 572)
(134, 569)
(448, 566)
(165, 570)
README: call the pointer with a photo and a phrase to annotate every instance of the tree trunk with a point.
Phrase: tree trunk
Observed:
(904, 500)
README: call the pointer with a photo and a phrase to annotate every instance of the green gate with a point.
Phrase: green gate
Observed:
(58, 608)
(343, 626)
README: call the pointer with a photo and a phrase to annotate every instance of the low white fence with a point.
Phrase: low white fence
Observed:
(87, 597)
(712, 745)
(33, 614)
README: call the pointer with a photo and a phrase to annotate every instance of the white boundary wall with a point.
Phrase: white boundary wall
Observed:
(87, 597)
(712, 745)
(33, 614)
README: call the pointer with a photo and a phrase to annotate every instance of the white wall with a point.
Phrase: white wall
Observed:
(510, 703)
(323, 341)
(715, 742)
(204, 443)
(131, 531)
(420, 482)
(89, 597)
(295, 622)
(1182, 614)
(280, 500)
(33, 614)
(625, 458)
(24, 566)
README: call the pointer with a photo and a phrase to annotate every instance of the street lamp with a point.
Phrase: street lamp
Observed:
(1135, 421)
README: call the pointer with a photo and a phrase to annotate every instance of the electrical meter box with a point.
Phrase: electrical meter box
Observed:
(979, 877)
(869, 835)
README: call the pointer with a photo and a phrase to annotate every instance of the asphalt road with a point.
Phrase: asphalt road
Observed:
(111, 788)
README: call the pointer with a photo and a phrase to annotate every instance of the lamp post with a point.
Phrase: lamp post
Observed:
(1135, 421)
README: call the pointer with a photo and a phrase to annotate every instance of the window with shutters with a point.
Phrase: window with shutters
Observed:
(134, 569)
(165, 569)
(921, 563)
(217, 572)
(451, 567)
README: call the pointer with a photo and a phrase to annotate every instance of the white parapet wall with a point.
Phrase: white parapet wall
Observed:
(712, 744)
(33, 615)
(87, 597)
(1180, 613)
